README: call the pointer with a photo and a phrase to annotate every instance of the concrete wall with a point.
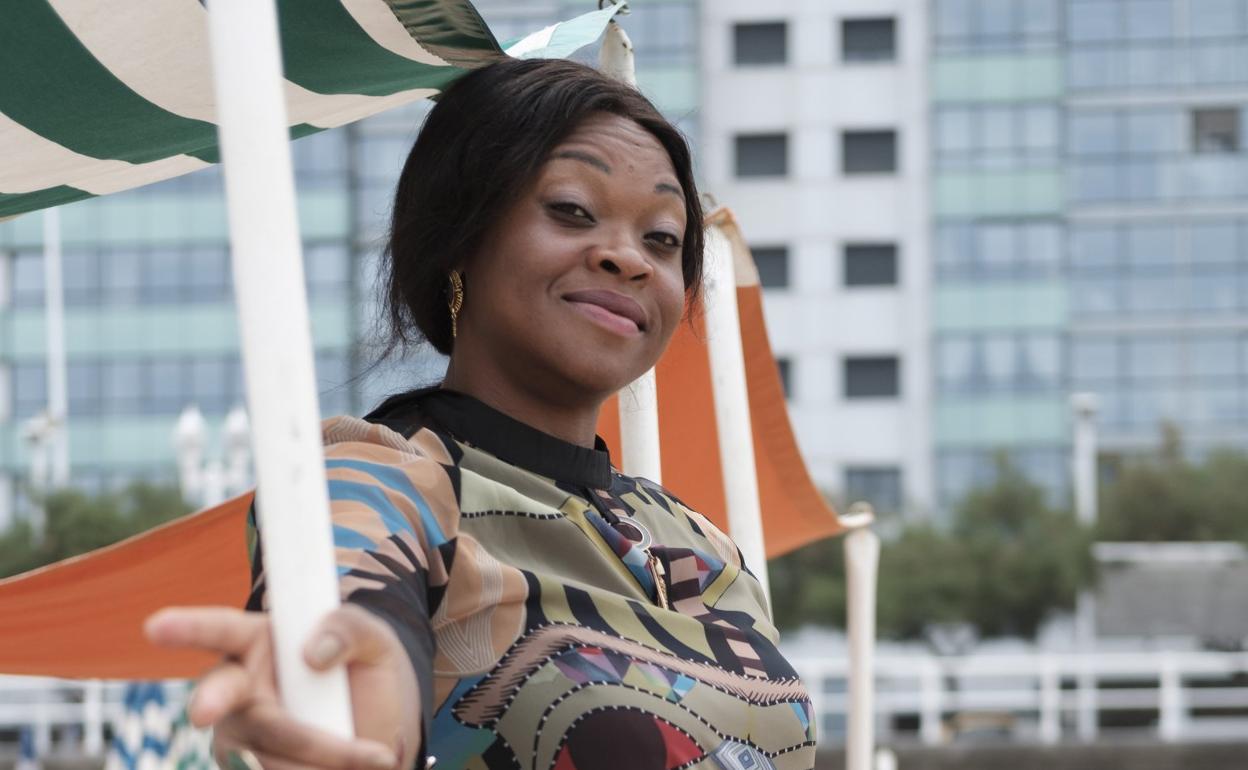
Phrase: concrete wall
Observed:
(815, 209)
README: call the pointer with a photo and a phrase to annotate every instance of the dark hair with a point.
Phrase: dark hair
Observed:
(481, 146)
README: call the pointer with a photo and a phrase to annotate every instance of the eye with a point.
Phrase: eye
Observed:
(570, 209)
(664, 239)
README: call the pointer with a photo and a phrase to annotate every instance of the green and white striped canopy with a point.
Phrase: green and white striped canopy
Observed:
(97, 97)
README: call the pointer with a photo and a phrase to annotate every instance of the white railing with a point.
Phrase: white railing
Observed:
(66, 715)
(1170, 696)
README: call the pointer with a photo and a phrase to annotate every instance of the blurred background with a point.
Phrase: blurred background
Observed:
(994, 236)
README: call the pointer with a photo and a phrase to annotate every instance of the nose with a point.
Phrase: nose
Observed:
(621, 257)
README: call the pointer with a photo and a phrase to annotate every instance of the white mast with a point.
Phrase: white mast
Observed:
(54, 312)
(277, 352)
(732, 405)
(639, 401)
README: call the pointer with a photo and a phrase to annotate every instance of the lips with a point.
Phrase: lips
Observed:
(614, 303)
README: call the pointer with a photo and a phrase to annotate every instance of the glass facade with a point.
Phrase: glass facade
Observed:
(1000, 307)
(1130, 269)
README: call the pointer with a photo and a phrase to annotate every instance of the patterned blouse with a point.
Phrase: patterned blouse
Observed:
(559, 615)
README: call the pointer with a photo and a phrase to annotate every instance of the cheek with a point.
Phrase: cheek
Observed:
(671, 298)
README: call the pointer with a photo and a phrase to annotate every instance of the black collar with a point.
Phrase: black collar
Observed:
(473, 422)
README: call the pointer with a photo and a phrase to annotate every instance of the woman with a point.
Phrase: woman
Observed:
(510, 600)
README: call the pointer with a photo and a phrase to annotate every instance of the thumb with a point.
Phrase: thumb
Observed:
(349, 634)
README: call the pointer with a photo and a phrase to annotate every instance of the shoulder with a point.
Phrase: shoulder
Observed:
(347, 435)
(371, 466)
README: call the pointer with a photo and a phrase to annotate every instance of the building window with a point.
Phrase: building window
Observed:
(762, 155)
(995, 25)
(872, 377)
(1215, 130)
(30, 389)
(868, 40)
(869, 152)
(998, 249)
(870, 264)
(666, 34)
(982, 363)
(785, 367)
(879, 486)
(773, 266)
(997, 137)
(765, 43)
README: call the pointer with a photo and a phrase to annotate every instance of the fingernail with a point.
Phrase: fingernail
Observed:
(381, 759)
(325, 649)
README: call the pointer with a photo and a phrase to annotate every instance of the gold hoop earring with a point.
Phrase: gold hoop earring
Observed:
(456, 300)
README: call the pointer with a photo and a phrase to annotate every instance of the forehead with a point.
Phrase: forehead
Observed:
(619, 139)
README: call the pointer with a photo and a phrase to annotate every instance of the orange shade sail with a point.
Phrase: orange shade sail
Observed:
(83, 617)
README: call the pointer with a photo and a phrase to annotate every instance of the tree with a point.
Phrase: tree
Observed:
(78, 523)
(1029, 560)
(1166, 497)
(1004, 566)
(808, 585)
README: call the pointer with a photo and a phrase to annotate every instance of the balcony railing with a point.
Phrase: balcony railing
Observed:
(1044, 698)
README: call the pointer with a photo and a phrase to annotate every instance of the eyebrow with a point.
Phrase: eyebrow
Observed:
(664, 187)
(601, 165)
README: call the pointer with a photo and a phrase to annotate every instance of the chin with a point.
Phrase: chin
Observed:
(604, 382)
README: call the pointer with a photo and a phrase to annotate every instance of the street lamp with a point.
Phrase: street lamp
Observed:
(208, 481)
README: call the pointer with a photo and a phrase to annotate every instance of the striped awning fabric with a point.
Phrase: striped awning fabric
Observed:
(101, 97)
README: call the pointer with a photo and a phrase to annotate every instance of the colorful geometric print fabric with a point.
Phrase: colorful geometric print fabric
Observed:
(531, 566)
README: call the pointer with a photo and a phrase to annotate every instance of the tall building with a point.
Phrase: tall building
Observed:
(1091, 227)
(1000, 298)
(815, 132)
(1038, 197)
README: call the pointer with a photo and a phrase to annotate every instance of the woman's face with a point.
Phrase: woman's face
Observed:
(580, 286)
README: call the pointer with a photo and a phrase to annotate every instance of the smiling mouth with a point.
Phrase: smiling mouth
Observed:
(607, 318)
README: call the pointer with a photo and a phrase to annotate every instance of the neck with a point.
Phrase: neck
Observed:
(571, 420)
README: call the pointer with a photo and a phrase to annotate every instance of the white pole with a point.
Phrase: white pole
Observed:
(862, 558)
(639, 402)
(639, 429)
(93, 718)
(237, 451)
(54, 314)
(189, 437)
(1084, 406)
(277, 352)
(35, 431)
(732, 405)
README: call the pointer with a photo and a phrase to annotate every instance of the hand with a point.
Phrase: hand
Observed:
(239, 697)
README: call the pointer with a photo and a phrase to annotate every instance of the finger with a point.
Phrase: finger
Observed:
(266, 729)
(273, 762)
(349, 633)
(240, 759)
(224, 630)
(224, 690)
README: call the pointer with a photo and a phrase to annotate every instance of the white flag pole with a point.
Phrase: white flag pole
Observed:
(639, 402)
(54, 313)
(277, 352)
(732, 404)
(639, 428)
(862, 558)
